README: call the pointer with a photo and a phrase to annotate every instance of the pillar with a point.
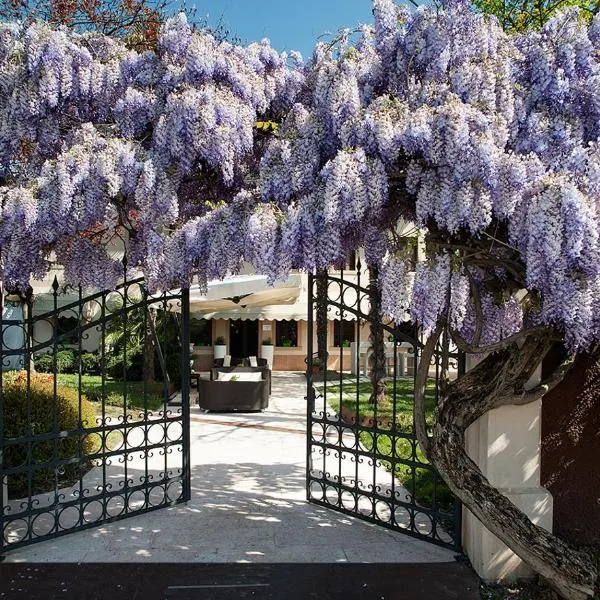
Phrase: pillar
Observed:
(505, 443)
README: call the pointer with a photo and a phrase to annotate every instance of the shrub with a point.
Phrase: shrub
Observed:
(44, 363)
(90, 363)
(134, 366)
(66, 362)
(35, 411)
(423, 490)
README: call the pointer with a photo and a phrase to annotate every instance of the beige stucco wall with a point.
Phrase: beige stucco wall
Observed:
(505, 444)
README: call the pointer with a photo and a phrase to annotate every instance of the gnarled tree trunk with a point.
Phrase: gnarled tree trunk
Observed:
(497, 381)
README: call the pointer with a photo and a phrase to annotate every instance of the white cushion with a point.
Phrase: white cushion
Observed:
(237, 376)
(225, 376)
(253, 361)
(249, 376)
(227, 360)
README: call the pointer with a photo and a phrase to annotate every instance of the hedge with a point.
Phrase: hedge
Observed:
(33, 414)
(66, 362)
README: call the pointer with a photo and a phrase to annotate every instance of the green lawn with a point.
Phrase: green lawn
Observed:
(394, 437)
(114, 391)
(401, 389)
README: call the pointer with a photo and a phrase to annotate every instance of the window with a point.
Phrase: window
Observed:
(201, 332)
(351, 264)
(343, 333)
(286, 334)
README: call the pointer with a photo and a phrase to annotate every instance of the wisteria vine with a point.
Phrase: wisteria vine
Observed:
(204, 154)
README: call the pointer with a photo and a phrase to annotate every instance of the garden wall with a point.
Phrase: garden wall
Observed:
(570, 450)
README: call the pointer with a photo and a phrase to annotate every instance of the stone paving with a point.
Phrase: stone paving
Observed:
(248, 504)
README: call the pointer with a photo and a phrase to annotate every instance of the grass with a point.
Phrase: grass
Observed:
(401, 419)
(393, 442)
(114, 391)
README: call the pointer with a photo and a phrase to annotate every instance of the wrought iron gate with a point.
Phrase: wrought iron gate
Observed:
(88, 429)
(362, 451)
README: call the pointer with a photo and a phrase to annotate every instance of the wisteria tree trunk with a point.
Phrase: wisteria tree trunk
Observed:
(376, 338)
(498, 381)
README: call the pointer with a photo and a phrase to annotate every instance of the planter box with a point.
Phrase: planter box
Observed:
(266, 351)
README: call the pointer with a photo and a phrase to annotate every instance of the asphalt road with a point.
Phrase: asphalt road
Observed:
(128, 581)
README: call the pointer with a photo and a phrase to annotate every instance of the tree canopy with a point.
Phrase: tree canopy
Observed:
(521, 15)
(202, 154)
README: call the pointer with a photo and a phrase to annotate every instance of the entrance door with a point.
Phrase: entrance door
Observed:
(243, 338)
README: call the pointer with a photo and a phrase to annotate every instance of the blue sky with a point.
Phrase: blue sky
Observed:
(290, 25)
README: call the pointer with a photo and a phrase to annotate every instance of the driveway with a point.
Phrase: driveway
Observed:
(248, 504)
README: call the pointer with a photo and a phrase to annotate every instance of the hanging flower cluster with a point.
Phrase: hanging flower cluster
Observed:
(483, 139)
(96, 143)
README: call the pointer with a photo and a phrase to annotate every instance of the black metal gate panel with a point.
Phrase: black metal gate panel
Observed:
(363, 458)
(94, 408)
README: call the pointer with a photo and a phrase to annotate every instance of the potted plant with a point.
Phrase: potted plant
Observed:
(220, 348)
(267, 351)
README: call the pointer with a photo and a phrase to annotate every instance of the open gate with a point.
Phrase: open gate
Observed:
(89, 432)
(362, 451)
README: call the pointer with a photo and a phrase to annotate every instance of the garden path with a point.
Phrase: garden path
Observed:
(248, 504)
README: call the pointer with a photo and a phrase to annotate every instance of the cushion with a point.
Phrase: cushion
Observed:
(236, 376)
(249, 376)
(226, 376)
(253, 361)
(227, 360)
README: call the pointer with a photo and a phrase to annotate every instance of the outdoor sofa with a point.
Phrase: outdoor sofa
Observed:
(264, 370)
(240, 362)
(231, 391)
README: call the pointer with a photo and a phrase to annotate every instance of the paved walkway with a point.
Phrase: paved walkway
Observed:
(248, 504)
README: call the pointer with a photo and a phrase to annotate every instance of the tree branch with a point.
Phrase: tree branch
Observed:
(492, 383)
(463, 345)
(420, 387)
(536, 546)
(478, 309)
(541, 390)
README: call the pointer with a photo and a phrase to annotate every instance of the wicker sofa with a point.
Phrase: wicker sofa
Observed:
(234, 394)
(266, 372)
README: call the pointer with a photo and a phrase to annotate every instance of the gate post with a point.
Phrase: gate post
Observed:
(185, 392)
(505, 443)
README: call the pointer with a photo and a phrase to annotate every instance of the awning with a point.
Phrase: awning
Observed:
(250, 297)
(244, 296)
